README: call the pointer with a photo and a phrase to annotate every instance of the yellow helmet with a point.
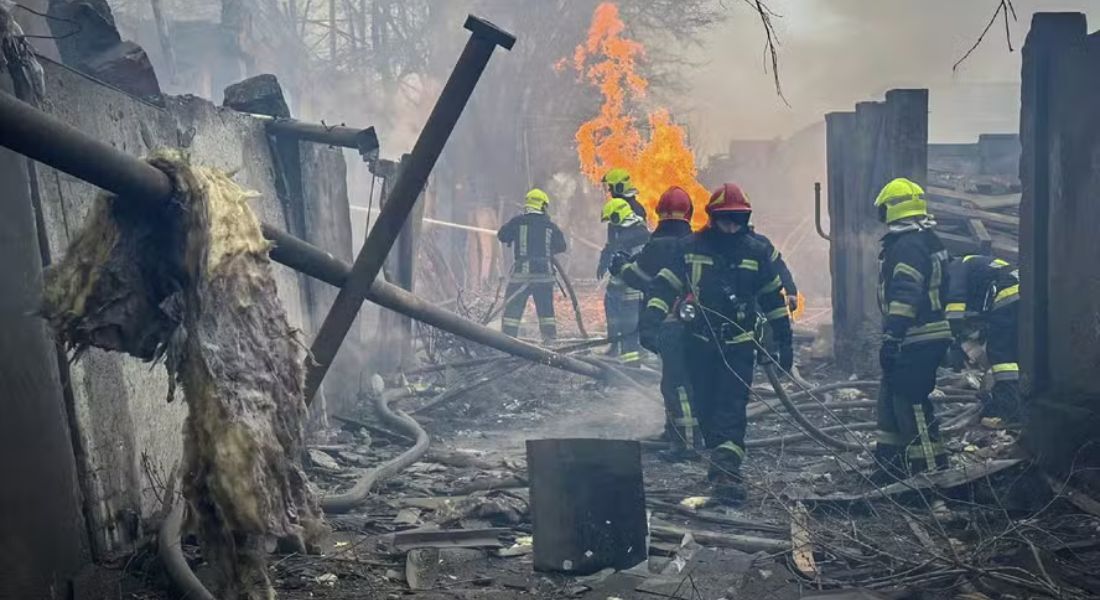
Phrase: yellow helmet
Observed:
(618, 182)
(536, 199)
(901, 198)
(615, 211)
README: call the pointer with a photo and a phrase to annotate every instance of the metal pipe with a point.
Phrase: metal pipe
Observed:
(410, 183)
(321, 265)
(817, 212)
(36, 134)
(363, 140)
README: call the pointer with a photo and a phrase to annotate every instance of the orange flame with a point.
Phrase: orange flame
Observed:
(612, 138)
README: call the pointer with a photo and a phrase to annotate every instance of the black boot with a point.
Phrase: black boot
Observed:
(888, 465)
(725, 479)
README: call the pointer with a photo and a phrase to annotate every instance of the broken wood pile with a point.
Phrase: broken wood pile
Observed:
(985, 220)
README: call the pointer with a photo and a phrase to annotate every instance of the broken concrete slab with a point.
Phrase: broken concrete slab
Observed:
(261, 95)
(127, 67)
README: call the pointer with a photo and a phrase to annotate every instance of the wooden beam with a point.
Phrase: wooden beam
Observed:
(978, 200)
(978, 230)
(973, 213)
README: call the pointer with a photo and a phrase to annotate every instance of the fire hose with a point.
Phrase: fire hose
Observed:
(345, 501)
(803, 422)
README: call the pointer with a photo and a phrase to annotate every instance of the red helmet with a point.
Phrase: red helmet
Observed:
(728, 198)
(675, 203)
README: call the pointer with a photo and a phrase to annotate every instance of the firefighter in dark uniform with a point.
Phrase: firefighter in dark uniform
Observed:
(982, 301)
(626, 233)
(674, 209)
(619, 186)
(534, 239)
(719, 280)
(913, 266)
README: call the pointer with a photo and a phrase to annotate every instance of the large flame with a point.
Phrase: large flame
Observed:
(612, 138)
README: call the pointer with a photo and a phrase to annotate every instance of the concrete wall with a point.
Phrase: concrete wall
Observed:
(1060, 173)
(131, 438)
(43, 540)
(865, 150)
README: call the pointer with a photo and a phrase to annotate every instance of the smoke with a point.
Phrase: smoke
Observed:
(837, 53)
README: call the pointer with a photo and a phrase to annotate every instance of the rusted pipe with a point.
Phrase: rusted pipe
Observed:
(365, 141)
(415, 169)
(37, 135)
(817, 212)
(321, 265)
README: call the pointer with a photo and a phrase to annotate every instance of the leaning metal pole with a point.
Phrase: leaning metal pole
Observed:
(301, 256)
(410, 183)
(37, 135)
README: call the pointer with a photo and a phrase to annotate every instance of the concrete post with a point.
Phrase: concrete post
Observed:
(1059, 209)
(866, 149)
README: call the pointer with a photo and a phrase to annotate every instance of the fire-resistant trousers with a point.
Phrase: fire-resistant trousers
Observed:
(1002, 350)
(909, 436)
(721, 375)
(517, 294)
(622, 307)
(682, 424)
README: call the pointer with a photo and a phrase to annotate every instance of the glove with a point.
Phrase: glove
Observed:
(601, 270)
(786, 358)
(888, 354)
(792, 302)
(618, 261)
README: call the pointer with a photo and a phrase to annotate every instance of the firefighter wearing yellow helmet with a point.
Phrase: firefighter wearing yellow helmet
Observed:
(620, 186)
(915, 333)
(534, 239)
(626, 234)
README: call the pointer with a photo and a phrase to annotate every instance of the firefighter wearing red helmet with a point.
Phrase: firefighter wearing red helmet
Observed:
(674, 209)
(717, 283)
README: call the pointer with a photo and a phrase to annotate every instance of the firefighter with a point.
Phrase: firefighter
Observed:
(674, 209)
(534, 239)
(717, 283)
(981, 302)
(619, 186)
(915, 337)
(626, 233)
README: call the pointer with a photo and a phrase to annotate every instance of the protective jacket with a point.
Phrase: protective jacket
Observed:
(913, 266)
(534, 239)
(628, 238)
(639, 272)
(978, 284)
(732, 278)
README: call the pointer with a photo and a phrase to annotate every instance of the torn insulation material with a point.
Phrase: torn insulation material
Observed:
(190, 281)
